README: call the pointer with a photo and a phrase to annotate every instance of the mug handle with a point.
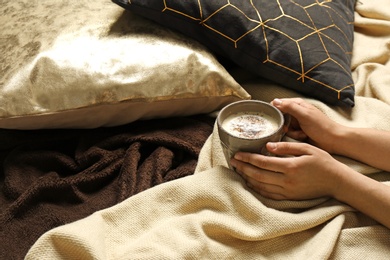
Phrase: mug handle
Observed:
(287, 121)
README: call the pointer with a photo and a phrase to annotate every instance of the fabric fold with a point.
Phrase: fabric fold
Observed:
(209, 215)
(51, 178)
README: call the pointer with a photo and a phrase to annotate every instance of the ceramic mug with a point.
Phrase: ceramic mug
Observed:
(248, 126)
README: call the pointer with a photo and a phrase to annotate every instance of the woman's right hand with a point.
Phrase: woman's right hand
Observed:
(308, 123)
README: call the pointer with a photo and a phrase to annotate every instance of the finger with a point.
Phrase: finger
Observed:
(294, 124)
(260, 175)
(274, 196)
(279, 101)
(296, 107)
(246, 170)
(240, 172)
(266, 190)
(294, 130)
(290, 148)
(242, 160)
(297, 135)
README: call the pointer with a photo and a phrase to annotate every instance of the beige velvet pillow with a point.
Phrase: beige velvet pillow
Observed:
(70, 64)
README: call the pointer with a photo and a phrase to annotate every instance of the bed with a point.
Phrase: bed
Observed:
(108, 142)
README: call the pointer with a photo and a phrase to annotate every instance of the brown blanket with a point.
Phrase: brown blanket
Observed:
(50, 178)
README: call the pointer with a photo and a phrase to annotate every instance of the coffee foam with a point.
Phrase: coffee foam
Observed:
(250, 125)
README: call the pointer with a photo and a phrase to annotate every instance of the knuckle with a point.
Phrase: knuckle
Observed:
(292, 167)
(286, 147)
(260, 161)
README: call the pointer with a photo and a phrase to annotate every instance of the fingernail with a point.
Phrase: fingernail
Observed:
(272, 146)
(238, 156)
(277, 102)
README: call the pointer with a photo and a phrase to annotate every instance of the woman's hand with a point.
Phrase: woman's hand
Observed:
(308, 123)
(305, 172)
(312, 173)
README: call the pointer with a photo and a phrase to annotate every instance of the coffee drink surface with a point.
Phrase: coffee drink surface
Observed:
(250, 125)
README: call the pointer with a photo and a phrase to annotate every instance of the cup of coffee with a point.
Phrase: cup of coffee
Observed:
(248, 125)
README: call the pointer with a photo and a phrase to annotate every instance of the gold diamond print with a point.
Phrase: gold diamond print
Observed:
(270, 24)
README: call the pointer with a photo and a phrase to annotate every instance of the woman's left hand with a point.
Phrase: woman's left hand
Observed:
(298, 171)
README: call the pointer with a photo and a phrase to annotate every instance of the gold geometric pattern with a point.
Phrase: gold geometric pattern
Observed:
(302, 38)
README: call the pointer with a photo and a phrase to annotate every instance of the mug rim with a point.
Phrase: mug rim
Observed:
(251, 101)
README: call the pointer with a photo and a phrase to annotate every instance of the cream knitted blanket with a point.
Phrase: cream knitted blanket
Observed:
(213, 215)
